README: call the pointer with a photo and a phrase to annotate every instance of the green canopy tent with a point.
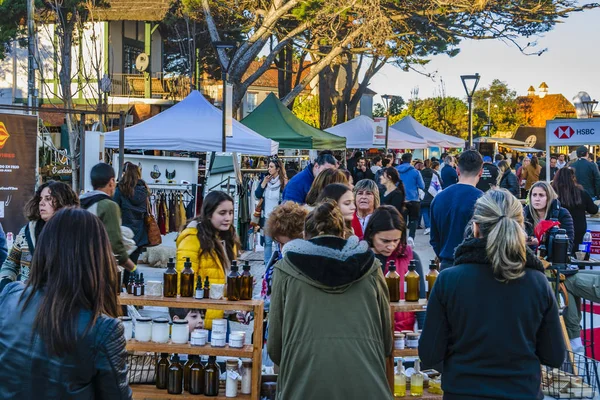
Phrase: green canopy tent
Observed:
(275, 121)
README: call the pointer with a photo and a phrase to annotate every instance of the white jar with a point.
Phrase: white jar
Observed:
(199, 337)
(217, 339)
(231, 384)
(128, 326)
(160, 330)
(399, 341)
(246, 376)
(143, 329)
(236, 340)
(219, 326)
(180, 332)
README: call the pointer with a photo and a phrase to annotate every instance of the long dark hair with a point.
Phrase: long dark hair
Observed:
(80, 276)
(534, 162)
(325, 219)
(566, 187)
(334, 192)
(394, 176)
(386, 218)
(280, 171)
(210, 237)
(327, 177)
(131, 176)
(62, 196)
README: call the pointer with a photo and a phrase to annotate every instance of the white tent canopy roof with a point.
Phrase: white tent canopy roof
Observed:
(359, 135)
(434, 139)
(193, 124)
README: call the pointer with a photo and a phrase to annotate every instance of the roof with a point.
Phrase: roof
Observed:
(534, 136)
(537, 110)
(133, 10)
(543, 86)
(531, 89)
(270, 77)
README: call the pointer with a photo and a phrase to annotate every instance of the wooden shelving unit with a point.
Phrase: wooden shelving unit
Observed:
(405, 353)
(409, 306)
(426, 396)
(253, 351)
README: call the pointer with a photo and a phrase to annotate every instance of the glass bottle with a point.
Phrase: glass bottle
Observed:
(142, 284)
(175, 381)
(400, 380)
(431, 277)
(206, 288)
(196, 377)
(186, 280)
(231, 383)
(247, 283)
(211, 377)
(131, 284)
(233, 283)
(199, 290)
(186, 373)
(137, 289)
(170, 279)
(416, 380)
(393, 282)
(162, 371)
(411, 283)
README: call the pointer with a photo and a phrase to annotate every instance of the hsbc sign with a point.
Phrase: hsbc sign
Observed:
(573, 132)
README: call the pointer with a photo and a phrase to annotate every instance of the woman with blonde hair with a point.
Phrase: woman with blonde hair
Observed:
(326, 177)
(492, 318)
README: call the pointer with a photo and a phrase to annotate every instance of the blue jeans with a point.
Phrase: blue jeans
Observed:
(268, 249)
(426, 216)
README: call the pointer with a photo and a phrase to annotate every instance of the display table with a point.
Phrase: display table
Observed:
(426, 396)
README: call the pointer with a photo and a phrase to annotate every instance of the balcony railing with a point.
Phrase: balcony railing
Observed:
(133, 85)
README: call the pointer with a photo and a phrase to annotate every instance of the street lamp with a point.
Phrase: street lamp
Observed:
(387, 98)
(589, 107)
(470, 84)
(224, 45)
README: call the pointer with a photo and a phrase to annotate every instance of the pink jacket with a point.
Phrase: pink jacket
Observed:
(404, 321)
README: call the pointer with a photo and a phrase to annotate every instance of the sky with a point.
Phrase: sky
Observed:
(570, 65)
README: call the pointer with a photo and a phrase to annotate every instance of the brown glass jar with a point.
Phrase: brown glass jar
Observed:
(211, 377)
(246, 283)
(186, 373)
(411, 283)
(206, 288)
(170, 280)
(196, 377)
(175, 380)
(431, 277)
(131, 284)
(186, 280)
(162, 371)
(233, 283)
(393, 282)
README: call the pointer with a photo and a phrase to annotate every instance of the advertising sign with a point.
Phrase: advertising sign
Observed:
(18, 146)
(379, 131)
(573, 132)
(228, 111)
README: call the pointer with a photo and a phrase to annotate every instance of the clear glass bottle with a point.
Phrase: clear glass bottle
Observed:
(393, 282)
(247, 282)
(196, 377)
(431, 277)
(233, 283)
(400, 380)
(186, 280)
(211, 377)
(416, 380)
(246, 386)
(170, 280)
(175, 380)
(162, 371)
(411, 283)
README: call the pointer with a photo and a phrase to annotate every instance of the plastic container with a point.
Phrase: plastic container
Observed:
(217, 339)
(143, 329)
(236, 340)
(412, 341)
(128, 325)
(231, 384)
(180, 332)
(246, 376)
(219, 326)
(160, 330)
(199, 337)
(399, 342)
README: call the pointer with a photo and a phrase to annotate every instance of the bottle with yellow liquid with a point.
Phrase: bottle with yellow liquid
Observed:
(416, 380)
(411, 283)
(400, 380)
(431, 277)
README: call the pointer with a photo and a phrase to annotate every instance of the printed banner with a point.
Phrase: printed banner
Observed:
(18, 146)
(379, 131)
(573, 132)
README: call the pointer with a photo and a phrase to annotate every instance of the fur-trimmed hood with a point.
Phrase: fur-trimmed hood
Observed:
(327, 262)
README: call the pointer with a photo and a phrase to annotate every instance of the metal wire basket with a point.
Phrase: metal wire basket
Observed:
(141, 367)
(576, 379)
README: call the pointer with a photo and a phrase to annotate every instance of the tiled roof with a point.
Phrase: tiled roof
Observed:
(132, 10)
(269, 78)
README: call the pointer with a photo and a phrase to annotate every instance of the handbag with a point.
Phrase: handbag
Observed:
(154, 237)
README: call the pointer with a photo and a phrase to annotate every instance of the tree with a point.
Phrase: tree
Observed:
(307, 109)
(396, 105)
(504, 114)
(443, 114)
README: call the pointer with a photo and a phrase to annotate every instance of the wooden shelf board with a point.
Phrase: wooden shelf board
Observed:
(187, 302)
(151, 392)
(134, 345)
(407, 306)
(406, 353)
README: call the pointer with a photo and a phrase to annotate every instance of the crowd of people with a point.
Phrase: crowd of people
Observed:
(330, 235)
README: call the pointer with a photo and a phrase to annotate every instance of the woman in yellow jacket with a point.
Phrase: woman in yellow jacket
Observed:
(210, 242)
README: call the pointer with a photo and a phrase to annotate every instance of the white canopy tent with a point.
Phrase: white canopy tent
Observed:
(191, 125)
(359, 135)
(410, 126)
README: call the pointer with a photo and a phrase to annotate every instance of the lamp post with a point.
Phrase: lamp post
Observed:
(386, 102)
(222, 45)
(589, 106)
(470, 84)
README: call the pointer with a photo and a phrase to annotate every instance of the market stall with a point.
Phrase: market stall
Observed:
(412, 127)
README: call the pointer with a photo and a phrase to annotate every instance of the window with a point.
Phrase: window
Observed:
(131, 49)
(251, 101)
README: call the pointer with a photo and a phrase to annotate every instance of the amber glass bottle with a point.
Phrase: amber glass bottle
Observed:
(233, 283)
(206, 288)
(431, 277)
(211, 377)
(411, 283)
(162, 371)
(247, 281)
(196, 377)
(186, 373)
(170, 279)
(175, 381)
(393, 282)
(186, 280)
(131, 284)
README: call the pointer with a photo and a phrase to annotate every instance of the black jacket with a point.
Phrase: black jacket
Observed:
(133, 211)
(395, 198)
(510, 182)
(555, 211)
(578, 212)
(358, 174)
(427, 174)
(96, 370)
(491, 336)
(588, 176)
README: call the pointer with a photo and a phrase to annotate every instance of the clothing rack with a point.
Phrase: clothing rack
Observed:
(173, 206)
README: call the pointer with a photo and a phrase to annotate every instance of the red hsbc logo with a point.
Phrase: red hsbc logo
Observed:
(564, 132)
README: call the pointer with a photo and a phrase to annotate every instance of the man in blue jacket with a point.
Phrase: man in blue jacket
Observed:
(448, 173)
(297, 188)
(413, 181)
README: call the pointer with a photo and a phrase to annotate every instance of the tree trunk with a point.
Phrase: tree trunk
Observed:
(327, 80)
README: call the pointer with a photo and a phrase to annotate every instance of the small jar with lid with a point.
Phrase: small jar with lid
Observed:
(199, 337)
(160, 330)
(143, 329)
(246, 387)
(217, 339)
(399, 342)
(231, 384)
(236, 340)
(219, 326)
(128, 326)
(412, 340)
(180, 331)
